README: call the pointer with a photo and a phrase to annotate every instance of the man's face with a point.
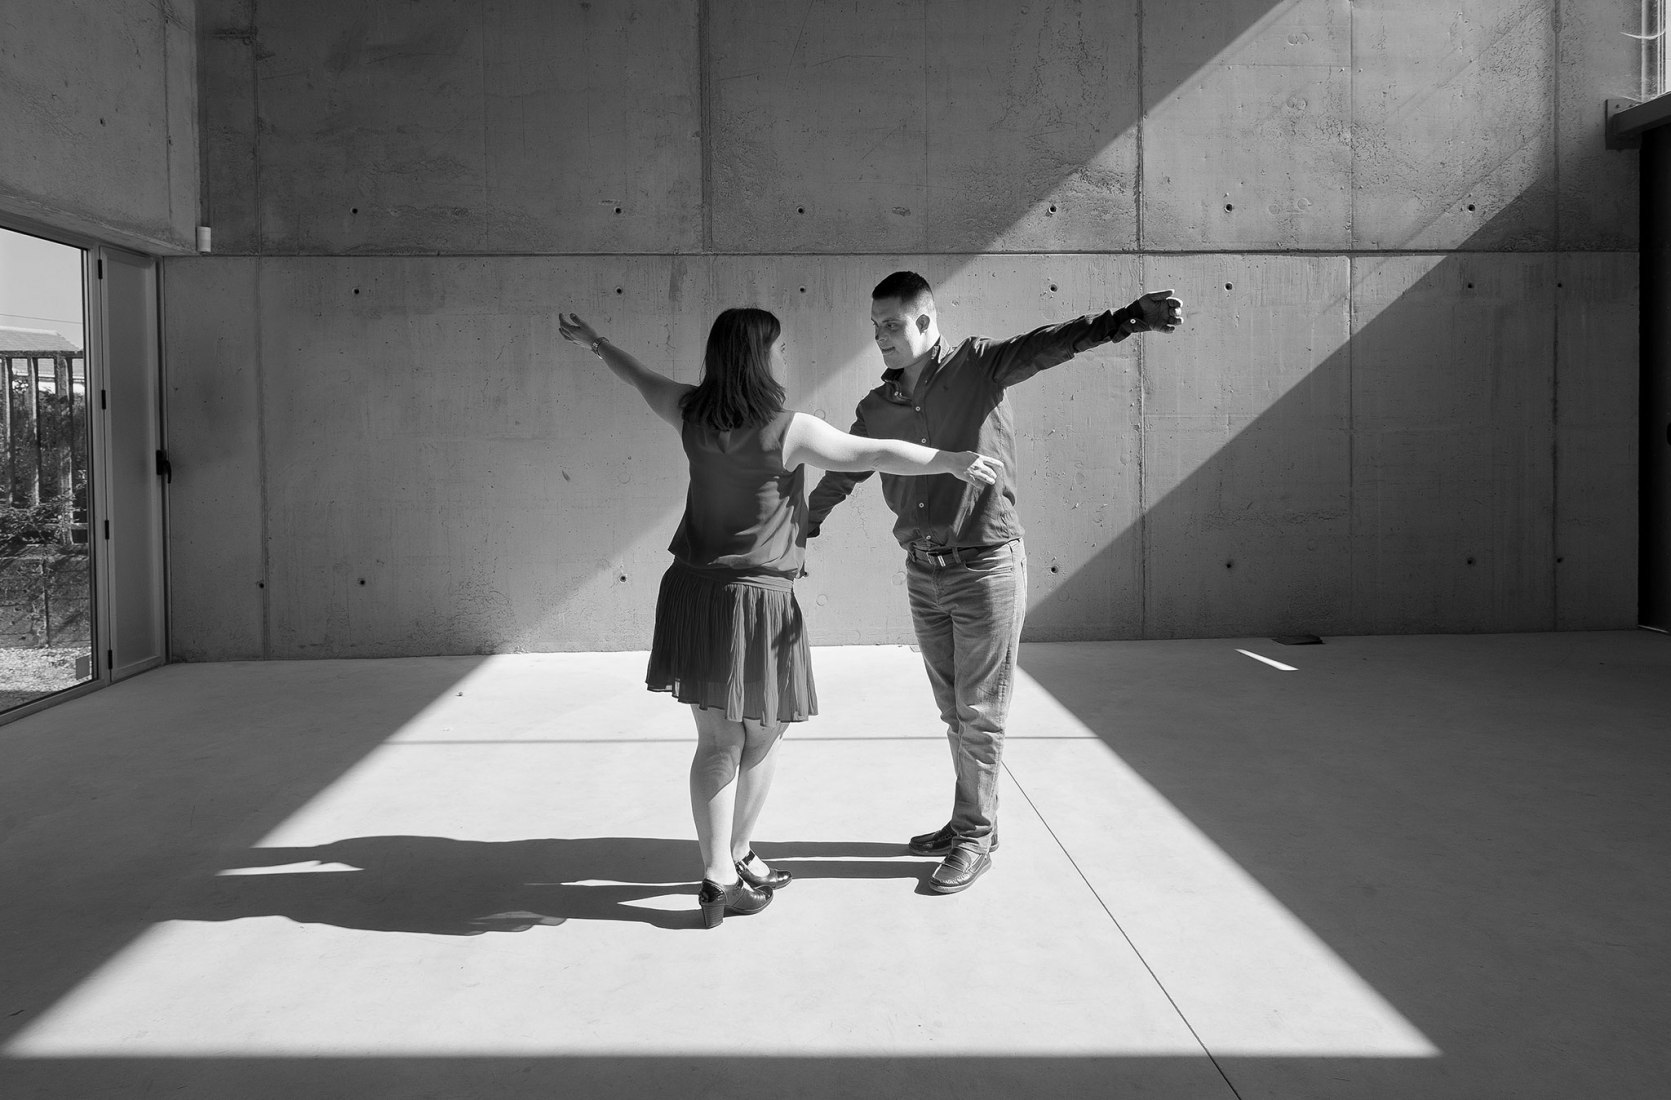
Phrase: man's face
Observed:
(901, 332)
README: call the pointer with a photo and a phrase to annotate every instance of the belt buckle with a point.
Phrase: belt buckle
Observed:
(939, 558)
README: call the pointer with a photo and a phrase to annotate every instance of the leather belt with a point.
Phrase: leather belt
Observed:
(950, 555)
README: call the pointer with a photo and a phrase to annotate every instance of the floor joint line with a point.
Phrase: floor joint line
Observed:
(1160, 985)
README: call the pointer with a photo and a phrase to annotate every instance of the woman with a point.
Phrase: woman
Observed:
(729, 638)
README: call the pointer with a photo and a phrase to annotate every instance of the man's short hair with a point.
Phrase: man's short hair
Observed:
(911, 289)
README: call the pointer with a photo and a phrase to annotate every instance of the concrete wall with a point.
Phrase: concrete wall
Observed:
(99, 126)
(1402, 402)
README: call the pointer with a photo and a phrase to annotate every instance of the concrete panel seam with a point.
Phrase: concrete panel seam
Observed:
(164, 358)
(1555, 433)
(1351, 439)
(487, 161)
(705, 111)
(167, 115)
(1555, 124)
(205, 191)
(1142, 487)
(261, 466)
(1142, 114)
(1351, 159)
(255, 185)
(923, 40)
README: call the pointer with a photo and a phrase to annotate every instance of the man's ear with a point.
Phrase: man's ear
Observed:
(922, 321)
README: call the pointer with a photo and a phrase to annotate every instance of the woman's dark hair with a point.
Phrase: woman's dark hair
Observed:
(737, 388)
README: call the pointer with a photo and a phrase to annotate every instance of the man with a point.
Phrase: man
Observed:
(965, 567)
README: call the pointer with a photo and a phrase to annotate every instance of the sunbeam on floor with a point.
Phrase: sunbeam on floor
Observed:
(1214, 880)
(365, 923)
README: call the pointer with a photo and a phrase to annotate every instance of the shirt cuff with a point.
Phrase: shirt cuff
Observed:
(1121, 323)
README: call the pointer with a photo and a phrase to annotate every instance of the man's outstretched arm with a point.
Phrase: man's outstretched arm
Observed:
(834, 487)
(1020, 357)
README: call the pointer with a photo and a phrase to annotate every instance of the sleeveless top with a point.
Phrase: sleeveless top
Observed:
(745, 514)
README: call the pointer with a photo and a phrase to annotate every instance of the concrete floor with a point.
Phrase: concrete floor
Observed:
(1410, 867)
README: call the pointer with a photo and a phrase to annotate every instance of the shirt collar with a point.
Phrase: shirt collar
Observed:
(936, 352)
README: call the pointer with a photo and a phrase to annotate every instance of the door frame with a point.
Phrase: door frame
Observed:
(156, 581)
(100, 570)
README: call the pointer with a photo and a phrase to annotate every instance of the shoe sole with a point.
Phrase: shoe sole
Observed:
(941, 852)
(941, 889)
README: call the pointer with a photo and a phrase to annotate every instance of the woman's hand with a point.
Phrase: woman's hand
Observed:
(976, 469)
(573, 328)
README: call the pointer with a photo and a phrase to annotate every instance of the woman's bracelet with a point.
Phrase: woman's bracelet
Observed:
(596, 344)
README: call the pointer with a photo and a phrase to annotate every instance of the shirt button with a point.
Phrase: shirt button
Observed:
(925, 439)
(919, 408)
(920, 503)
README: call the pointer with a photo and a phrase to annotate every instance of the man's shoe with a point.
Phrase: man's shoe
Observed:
(941, 841)
(966, 863)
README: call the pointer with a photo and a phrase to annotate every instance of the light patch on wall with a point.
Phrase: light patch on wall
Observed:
(1238, 46)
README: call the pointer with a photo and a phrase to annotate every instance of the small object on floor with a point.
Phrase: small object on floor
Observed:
(940, 842)
(1297, 639)
(738, 899)
(771, 879)
(966, 863)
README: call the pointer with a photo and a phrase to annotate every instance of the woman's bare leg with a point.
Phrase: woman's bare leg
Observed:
(754, 781)
(713, 793)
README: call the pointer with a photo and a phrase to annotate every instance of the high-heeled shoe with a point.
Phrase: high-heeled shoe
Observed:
(740, 898)
(771, 880)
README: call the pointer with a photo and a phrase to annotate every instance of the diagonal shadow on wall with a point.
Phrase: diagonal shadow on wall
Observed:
(984, 146)
(1452, 462)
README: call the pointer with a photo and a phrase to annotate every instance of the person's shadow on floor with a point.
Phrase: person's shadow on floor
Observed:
(442, 886)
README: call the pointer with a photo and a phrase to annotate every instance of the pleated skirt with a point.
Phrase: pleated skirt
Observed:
(732, 645)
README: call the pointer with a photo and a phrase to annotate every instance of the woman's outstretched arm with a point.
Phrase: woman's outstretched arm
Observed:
(814, 442)
(661, 393)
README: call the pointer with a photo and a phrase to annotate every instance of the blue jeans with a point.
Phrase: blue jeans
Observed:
(968, 617)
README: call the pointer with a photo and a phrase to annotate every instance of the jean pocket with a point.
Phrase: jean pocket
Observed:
(993, 562)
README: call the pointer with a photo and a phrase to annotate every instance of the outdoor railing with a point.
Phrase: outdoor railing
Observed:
(44, 582)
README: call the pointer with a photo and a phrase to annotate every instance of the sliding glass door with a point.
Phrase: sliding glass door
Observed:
(47, 613)
(82, 470)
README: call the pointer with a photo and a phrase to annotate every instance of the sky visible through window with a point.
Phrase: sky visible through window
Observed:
(40, 285)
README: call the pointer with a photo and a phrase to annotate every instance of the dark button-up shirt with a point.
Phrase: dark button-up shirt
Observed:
(959, 405)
